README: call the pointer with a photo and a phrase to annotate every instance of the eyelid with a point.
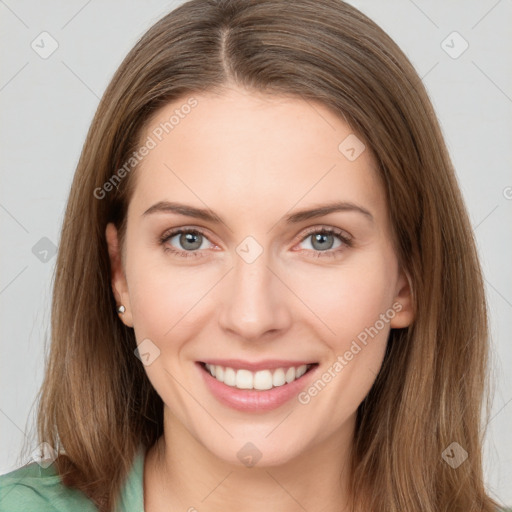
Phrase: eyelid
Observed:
(304, 233)
(328, 229)
(169, 233)
(172, 232)
(345, 237)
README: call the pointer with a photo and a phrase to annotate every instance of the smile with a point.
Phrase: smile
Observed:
(268, 385)
(259, 380)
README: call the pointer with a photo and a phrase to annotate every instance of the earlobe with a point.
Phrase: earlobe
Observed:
(403, 303)
(119, 284)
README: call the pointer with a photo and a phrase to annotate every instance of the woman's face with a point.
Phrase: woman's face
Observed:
(267, 286)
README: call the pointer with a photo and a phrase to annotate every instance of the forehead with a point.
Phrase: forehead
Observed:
(240, 151)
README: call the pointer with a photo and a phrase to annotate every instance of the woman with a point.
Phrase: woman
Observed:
(310, 350)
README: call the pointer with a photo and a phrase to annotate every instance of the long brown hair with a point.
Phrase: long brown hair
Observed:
(97, 405)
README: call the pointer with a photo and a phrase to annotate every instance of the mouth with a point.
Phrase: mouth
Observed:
(260, 380)
(256, 391)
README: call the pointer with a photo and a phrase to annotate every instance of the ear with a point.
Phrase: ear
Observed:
(403, 303)
(119, 284)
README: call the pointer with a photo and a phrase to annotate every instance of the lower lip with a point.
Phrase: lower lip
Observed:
(253, 400)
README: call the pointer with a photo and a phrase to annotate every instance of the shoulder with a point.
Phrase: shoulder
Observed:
(33, 487)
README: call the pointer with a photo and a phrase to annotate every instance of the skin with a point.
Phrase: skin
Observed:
(253, 159)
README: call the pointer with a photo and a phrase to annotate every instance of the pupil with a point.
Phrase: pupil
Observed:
(319, 237)
(189, 238)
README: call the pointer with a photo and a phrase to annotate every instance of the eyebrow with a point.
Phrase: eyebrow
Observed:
(294, 218)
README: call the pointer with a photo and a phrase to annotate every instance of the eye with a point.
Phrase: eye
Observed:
(322, 240)
(190, 239)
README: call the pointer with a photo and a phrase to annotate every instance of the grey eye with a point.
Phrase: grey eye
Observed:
(190, 241)
(322, 241)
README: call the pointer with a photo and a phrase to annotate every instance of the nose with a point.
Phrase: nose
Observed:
(255, 300)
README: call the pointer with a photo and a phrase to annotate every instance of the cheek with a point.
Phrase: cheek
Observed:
(166, 302)
(169, 299)
(349, 298)
(166, 298)
(354, 306)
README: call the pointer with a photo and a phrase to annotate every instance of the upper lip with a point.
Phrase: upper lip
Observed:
(267, 364)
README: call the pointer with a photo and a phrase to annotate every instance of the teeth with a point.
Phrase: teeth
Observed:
(301, 370)
(230, 377)
(278, 379)
(260, 380)
(242, 380)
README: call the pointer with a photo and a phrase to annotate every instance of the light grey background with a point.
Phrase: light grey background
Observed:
(48, 103)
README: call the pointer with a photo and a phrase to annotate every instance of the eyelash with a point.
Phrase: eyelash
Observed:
(346, 241)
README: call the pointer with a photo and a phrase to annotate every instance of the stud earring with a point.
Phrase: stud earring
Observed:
(121, 309)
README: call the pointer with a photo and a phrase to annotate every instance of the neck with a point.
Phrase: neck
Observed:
(180, 472)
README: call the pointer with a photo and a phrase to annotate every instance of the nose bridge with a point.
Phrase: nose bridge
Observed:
(251, 271)
(255, 302)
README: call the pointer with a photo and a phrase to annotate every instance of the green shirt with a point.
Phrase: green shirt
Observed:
(33, 488)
